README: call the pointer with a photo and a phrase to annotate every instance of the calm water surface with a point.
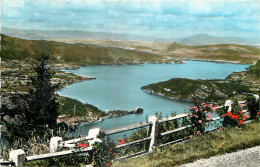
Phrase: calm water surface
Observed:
(118, 87)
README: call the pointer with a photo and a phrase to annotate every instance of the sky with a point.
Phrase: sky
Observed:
(164, 18)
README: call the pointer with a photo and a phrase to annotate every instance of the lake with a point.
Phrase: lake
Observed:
(119, 87)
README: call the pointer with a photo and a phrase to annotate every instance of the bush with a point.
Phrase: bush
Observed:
(235, 117)
(253, 106)
(199, 116)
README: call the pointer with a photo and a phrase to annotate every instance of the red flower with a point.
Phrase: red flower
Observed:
(198, 133)
(214, 108)
(82, 145)
(210, 114)
(110, 149)
(240, 122)
(121, 141)
(108, 164)
(258, 114)
(210, 105)
(189, 107)
(191, 136)
(194, 107)
(200, 121)
(244, 117)
(115, 154)
(102, 131)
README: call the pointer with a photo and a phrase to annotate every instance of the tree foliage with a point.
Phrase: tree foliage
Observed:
(42, 101)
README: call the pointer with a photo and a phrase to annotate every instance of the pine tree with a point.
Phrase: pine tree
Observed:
(42, 101)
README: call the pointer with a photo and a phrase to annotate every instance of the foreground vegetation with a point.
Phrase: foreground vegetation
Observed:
(211, 144)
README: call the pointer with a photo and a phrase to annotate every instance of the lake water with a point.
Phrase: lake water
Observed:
(119, 87)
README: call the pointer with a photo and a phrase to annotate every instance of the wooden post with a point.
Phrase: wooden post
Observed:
(54, 143)
(18, 157)
(154, 132)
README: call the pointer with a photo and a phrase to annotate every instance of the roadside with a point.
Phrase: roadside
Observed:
(225, 141)
(244, 158)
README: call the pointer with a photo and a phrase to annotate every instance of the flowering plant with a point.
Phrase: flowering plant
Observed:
(234, 117)
(121, 141)
(199, 115)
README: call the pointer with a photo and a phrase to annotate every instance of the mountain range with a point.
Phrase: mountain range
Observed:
(194, 40)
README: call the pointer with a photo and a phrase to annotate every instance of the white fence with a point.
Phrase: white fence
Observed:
(18, 157)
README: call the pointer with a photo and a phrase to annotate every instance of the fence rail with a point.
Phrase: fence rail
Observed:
(152, 140)
(56, 154)
(173, 118)
(127, 128)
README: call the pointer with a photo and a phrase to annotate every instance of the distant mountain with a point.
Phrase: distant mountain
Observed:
(66, 34)
(204, 39)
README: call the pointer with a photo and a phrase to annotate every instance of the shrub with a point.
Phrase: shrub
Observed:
(253, 106)
(235, 117)
(199, 116)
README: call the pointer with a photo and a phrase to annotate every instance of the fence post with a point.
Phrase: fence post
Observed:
(154, 132)
(54, 143)
(18, 157)
(94, 133)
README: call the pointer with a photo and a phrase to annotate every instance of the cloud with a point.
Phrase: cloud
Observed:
(169, 18)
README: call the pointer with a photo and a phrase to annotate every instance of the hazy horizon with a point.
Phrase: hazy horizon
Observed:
(157, 19)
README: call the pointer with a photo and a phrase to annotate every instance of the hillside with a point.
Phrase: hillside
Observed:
(209, 90)
(221, 53)
(196, 90)
(204, 39)
(93, 52)
(233, 53)
(80, 54)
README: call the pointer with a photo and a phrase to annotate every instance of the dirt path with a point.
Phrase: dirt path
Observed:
(244, 158)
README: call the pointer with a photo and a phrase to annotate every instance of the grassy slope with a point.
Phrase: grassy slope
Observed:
(255, 70)
(226, 141)
(81, 54)
(227, 52)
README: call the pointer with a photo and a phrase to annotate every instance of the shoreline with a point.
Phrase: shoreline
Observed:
(182, 61)
(167, 97)
(85, 122)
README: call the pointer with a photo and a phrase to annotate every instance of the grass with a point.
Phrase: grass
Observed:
(212, 144)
